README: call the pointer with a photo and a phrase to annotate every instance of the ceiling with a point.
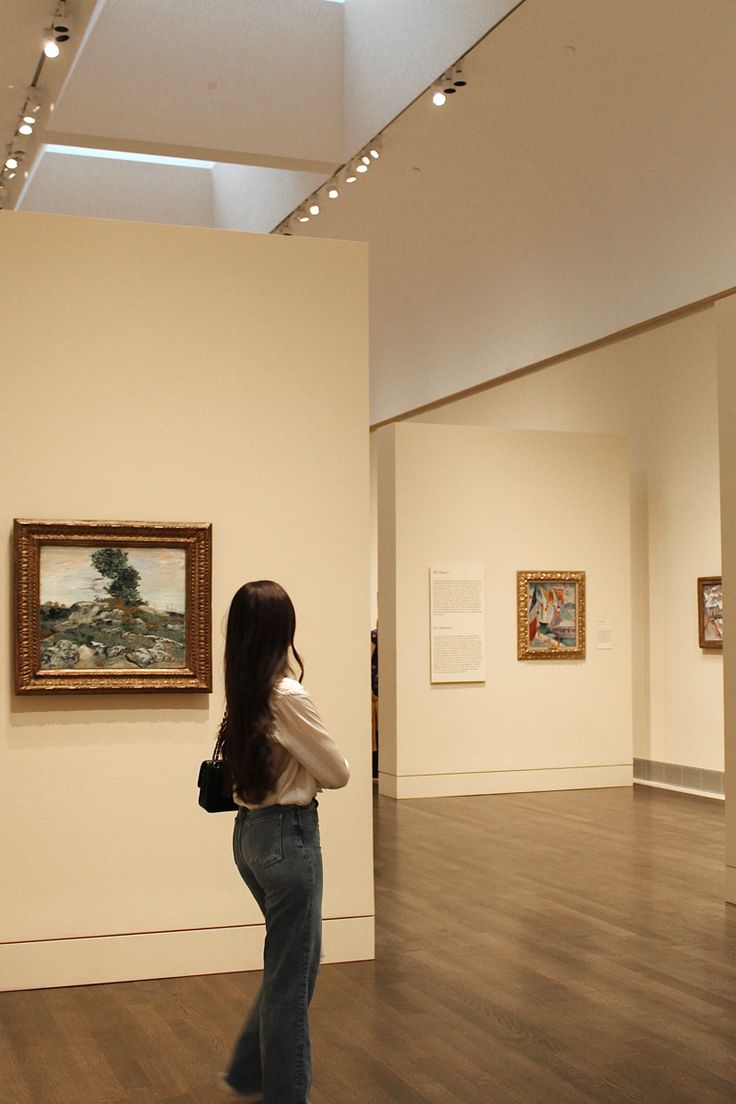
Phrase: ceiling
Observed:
(274, 94)
(580, 184)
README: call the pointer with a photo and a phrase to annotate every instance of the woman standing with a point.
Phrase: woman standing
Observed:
(280, 756)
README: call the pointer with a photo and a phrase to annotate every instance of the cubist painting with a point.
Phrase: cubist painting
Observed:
(710, 611)
(551, 614)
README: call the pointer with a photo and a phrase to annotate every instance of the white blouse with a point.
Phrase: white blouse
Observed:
(305, 757)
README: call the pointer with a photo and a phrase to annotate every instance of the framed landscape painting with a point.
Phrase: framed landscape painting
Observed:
(104, 606)
(710, 612)
(551, 614)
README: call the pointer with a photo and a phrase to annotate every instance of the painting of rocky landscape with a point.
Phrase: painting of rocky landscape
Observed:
(120, 608)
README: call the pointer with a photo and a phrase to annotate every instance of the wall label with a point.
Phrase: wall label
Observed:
(604, 635)
(457, 611)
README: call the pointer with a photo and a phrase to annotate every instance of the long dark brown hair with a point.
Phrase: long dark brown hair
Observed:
(260, 638)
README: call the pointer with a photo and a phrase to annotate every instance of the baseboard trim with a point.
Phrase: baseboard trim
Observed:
(677, 776)
(679, 789)
(406, 786)
(50, 964)
(731, 884)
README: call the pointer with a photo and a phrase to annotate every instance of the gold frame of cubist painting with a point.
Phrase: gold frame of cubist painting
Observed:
(548, 588)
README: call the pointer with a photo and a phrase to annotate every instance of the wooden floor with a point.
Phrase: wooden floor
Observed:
(555, 948)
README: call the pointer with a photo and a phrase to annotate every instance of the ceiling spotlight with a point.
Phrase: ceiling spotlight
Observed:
(302, 216)
(361, 168)
(314, 209)
(61, 30)
(29, 119)
(11, 163)
(333, 192)
(439, 97)
(351, 177)
(374, 152)
(459, 80)
(365, 159)
(25, 128)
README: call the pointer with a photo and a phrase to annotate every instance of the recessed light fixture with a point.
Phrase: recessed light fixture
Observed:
(314, 209)
(333, 192)
(448, 84)
(25, 128)
(60, 31)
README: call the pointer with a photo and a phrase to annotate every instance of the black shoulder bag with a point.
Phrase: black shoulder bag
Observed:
(214, 782)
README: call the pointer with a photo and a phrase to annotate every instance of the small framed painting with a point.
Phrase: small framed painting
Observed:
(551, 614)
(710, 612)
(110, 606)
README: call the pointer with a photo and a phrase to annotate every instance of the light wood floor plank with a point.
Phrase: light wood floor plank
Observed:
(556, 948)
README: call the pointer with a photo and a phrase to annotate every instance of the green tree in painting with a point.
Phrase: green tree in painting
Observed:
(114, 564)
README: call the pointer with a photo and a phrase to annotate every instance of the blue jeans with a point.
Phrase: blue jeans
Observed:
(277, 852)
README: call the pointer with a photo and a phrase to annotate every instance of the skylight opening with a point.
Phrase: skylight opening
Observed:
(120, 155)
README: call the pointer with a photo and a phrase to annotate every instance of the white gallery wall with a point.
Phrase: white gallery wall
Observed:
(658, 387)
(170, 374)
(510, 500)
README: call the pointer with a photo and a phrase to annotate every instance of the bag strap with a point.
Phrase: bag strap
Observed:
(217, 753)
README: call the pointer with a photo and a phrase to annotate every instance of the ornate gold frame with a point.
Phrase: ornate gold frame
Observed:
(523, 579)
(196, 539)
(703, 581)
